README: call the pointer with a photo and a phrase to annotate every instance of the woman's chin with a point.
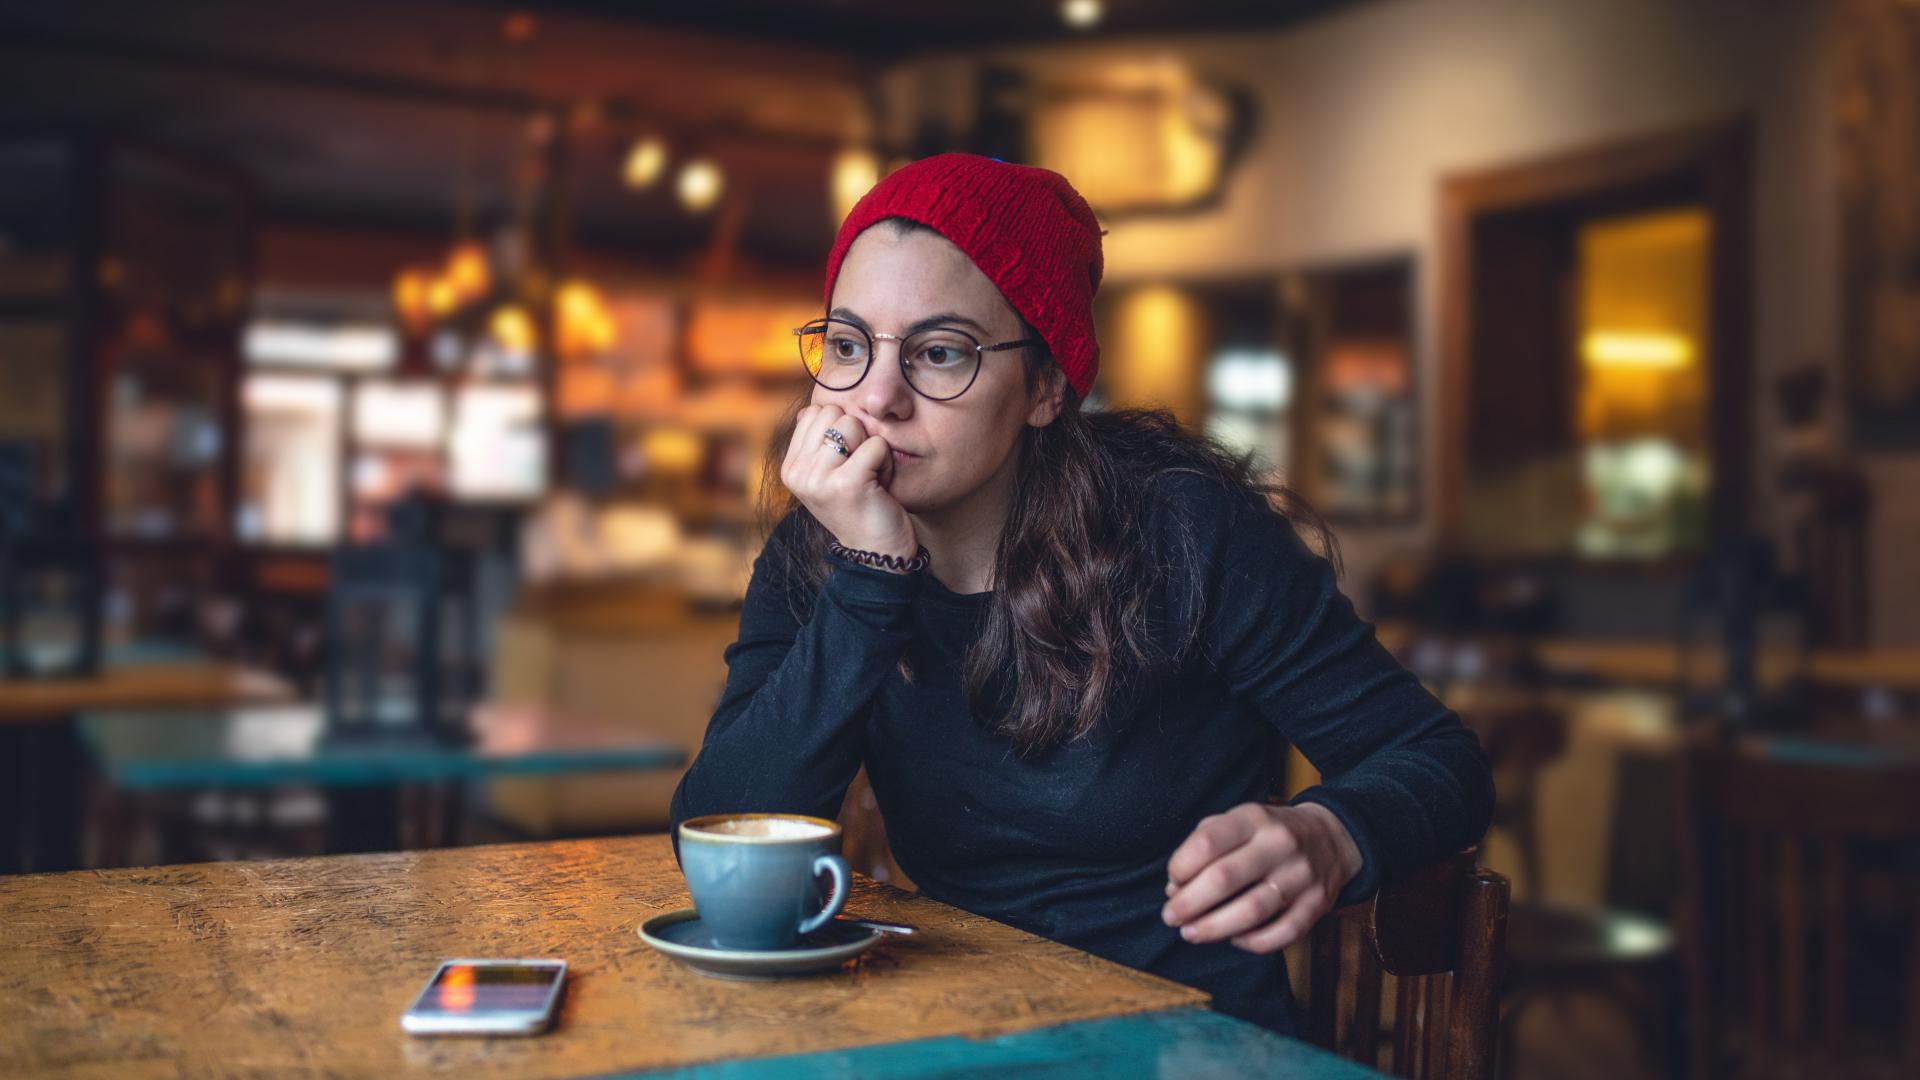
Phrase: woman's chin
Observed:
(910, 497)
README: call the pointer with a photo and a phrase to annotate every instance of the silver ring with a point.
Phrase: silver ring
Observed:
(836, 440)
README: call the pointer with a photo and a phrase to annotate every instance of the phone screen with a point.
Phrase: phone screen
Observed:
(478, 990)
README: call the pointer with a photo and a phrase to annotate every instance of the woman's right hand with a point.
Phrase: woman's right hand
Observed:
(847, 494)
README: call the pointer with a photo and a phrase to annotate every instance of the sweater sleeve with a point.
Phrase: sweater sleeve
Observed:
(1400, 771)
(786, 735)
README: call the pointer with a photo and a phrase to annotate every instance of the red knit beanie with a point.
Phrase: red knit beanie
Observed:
(1024, 227)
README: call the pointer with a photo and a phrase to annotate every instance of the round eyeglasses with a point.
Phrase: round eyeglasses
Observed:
(940, 363)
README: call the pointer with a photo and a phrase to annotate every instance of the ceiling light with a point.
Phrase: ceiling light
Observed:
(1081, 14)
(512, 328)
(854, 174)
(700, 185)
(442, 297)
(645, 162)
(1614, 349)
(583, 325)
(468, 271)
(410, 297)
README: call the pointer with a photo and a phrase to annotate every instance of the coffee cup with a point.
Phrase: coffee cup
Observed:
(755, 878)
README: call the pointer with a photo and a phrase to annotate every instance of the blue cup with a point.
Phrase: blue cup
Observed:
(755, 878)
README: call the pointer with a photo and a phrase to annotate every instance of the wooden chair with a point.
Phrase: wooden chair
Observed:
(1554, 950)
(402, 640)
(1802, 966)
(1441, 934)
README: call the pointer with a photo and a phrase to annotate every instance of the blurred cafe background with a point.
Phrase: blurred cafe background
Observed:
(384, 389)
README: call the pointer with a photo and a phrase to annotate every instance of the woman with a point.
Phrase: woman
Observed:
(1062, 643)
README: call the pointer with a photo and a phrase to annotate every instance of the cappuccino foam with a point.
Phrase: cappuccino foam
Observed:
(767, 828)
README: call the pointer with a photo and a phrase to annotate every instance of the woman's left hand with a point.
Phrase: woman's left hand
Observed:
(1259, 875)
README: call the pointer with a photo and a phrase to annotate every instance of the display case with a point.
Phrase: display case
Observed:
(1360, 451)
(123, 282)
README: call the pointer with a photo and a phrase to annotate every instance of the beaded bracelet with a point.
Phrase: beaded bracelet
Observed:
(882, 562)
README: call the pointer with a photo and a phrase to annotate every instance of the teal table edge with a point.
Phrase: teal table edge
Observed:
(1831, 752)
(1175, 1044)
(138, 751)
(415, 767)
(150, 652)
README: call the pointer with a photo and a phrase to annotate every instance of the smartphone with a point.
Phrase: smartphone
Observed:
(488, 997)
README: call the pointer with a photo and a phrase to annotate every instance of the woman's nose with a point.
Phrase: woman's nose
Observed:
(884, 392)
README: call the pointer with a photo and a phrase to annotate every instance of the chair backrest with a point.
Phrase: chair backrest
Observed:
(1441, 933)
(56, 579)
(1521, 739)
(17, 488)
(1803, 869)
(386, 654)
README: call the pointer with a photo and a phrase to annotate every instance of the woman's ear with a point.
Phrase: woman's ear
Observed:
(1048, 397)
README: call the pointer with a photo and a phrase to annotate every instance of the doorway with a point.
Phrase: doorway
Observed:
(1595, 356)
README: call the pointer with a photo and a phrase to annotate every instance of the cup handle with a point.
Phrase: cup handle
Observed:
(842, 884)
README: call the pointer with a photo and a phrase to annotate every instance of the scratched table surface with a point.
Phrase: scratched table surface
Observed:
(304, 966)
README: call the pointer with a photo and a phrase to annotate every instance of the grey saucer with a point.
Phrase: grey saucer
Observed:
(680, 935)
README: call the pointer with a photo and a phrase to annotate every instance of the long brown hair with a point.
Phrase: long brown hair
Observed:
(1073, 588)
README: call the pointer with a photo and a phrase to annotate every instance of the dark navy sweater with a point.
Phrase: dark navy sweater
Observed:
(1073, 844)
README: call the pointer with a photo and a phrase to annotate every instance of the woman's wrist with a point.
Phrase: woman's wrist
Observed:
(1345, 849)
(896, 564)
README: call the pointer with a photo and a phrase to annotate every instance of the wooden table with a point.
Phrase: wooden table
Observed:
(42, 766)
(1662, 663)
(180, 684)
(305, 966)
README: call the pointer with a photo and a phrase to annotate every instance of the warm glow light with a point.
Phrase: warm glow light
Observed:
(645, 162)
(442, 297)
(1134, 133)
(582, 322)
(746, 335)
(1162, 330)
(672, 450)
(410, 297)
(1610, 348)
(700, 185)
(1081, 14)
(854, 174)
(468, 272)
(512, 328)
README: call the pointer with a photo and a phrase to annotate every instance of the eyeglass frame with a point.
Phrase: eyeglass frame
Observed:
(979, 351)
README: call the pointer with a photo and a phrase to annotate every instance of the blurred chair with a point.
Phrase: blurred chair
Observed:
(1803, 929)
(50, 580)
(389, 664)
(1520, 741)
(397, 671)
(477, 547)
(1441, 934)
(1826, 499)
(1834, 555)
(1749, 607)
(16, 518)
(52, 591)
(1555, 949)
